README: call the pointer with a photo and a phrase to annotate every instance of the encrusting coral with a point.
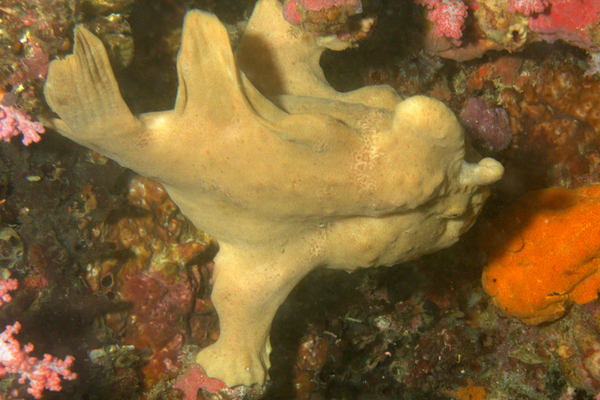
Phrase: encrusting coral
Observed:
(307, 178)
(556, 121)
(543, 254)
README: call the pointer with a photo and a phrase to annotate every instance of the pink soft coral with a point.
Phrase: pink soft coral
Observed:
(527, 7)
(14, 122)
(14, 359)
(448, 17)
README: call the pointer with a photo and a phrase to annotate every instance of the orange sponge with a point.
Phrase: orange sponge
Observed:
(544, 253)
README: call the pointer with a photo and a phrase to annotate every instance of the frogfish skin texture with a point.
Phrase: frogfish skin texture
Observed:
(287, 174)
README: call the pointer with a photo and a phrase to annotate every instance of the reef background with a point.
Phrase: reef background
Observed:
(111, 273)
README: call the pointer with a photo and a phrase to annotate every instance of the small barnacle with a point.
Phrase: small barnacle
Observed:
(516, 37)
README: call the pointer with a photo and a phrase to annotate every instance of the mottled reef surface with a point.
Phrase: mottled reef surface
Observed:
(111, 273)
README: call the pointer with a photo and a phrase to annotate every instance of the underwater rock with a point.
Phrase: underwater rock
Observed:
(489, 126)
